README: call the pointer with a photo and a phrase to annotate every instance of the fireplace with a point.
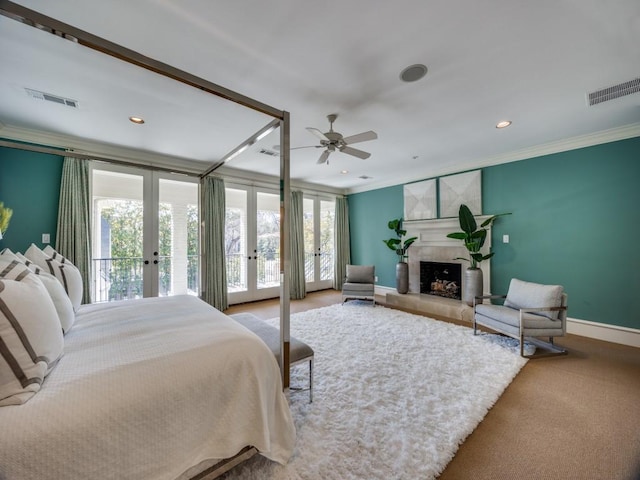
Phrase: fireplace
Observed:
(441, 278)
(433, 245)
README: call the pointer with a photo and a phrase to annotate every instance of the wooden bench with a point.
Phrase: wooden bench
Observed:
(299, 351)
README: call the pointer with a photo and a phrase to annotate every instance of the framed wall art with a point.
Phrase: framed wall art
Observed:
(420, 200)
(458, 189)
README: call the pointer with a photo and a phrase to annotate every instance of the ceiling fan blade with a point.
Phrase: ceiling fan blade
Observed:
(360, 137)
(355, 152)
(323, 158)
(307, 146)
(318, 133)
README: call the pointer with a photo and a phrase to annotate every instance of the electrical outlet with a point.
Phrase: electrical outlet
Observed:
(46, 238)
(505, 238)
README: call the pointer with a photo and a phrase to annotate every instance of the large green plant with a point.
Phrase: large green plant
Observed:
(472, 236)
(5, 216)
(396, 244)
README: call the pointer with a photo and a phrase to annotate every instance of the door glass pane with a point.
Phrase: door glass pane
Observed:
(309, 244)
(327, 216)
(236, 239)
(117, 236)
(268, 240)
(178, 248)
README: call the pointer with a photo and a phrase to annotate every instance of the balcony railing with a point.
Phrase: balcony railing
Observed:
(122, 278)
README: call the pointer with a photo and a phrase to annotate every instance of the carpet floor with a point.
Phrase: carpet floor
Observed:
(395, 394)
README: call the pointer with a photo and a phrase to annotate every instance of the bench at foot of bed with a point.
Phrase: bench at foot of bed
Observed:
(299, 351)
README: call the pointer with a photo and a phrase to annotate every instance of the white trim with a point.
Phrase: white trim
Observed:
(584, 328)
(573, 143)
(605, 332)
(380, 290)
(145, 158)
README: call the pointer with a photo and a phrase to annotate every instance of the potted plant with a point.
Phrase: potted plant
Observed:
(400, 247)
(5, 216)
(473, 238)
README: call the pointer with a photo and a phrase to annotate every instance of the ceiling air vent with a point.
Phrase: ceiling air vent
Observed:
(616, 91)
(52, 98)
(271, 153)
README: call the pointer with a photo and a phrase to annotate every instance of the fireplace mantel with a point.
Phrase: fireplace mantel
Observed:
(433, 245)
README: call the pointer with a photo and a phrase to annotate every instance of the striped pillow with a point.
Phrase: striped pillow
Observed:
(31, 341)
(67, 274)
(60, 298)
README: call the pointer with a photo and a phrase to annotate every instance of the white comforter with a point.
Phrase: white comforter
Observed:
(146, 389)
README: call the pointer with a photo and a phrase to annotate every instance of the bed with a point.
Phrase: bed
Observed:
(153, 388)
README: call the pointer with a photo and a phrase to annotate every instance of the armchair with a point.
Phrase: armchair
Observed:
(359, 283)
(530, 310)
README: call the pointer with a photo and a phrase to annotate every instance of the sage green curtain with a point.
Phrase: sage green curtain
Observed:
(73, 236)
(341, 242)
(214, 271)
(298, 283)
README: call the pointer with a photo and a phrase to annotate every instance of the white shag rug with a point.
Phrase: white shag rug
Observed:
(394, 396)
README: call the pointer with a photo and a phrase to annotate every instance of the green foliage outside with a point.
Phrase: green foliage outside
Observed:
(124, 274)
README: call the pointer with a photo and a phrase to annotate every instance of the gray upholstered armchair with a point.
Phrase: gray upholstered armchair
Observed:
(530, 310)
(359, 283)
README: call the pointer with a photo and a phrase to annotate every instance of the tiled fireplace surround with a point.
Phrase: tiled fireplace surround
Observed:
(433, 245)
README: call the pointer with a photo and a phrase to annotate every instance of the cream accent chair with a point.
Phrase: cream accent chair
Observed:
(530, 310)
(359, 283)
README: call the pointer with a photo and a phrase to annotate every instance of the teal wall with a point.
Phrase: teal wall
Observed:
(574, 222)
(30, 186)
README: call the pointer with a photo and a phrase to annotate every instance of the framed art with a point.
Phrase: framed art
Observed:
(458, 189)
(420, 200)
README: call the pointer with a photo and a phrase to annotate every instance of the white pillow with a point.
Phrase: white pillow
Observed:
(30, 333)
(56, 292)
(67, 274)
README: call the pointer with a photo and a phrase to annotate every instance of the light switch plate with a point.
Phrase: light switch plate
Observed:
(46, 238)
(505, 238)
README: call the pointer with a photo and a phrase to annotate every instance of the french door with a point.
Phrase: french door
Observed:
(145, 234)
(319, 218)
(252, 243)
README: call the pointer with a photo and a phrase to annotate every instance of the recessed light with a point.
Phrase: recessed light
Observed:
(413, 73)
(136, 120)
(344, 172)
(503, 124)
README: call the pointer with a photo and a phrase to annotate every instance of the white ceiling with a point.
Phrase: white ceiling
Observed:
(531, 62)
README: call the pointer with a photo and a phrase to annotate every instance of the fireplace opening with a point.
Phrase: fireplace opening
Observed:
(441, 279)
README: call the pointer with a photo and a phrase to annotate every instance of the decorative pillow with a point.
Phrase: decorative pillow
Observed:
(50, 251)
(31, 341)
(523, 294)
(67, 274)
(56, 292)
(360, 273)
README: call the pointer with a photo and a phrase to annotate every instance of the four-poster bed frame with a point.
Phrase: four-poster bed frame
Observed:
(280, 120)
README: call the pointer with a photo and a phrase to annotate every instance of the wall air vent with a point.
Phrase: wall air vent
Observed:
(615, 91)
(271, 153)
(52, 98)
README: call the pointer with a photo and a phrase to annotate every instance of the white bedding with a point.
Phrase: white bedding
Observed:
(146, 389)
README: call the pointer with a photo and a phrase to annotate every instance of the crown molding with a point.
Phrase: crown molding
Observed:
(145, 158)
(573, 143)
(80, 145)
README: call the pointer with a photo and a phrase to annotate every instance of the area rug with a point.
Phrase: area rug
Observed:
(395, 394)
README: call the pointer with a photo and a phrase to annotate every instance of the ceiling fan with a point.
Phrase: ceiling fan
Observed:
(332, 141)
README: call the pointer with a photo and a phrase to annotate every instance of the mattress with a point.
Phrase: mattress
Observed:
(147, 389)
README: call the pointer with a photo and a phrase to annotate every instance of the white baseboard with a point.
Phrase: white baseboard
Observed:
(603, 331)
(584, 328)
